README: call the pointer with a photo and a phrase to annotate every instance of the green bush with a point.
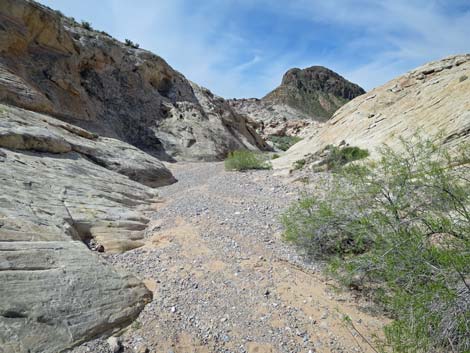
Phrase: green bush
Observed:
(284, 142)
(244, 160)
(340, 156)
(87, 25)
(275, 156)
(299, 164)
(399, 230)
(131, 44)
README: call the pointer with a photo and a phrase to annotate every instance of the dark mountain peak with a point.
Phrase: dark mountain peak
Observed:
(322, 79)
(316, 91)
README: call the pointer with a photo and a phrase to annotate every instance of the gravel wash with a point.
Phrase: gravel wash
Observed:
(223, 279)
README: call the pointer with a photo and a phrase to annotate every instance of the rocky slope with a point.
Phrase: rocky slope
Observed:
(51, 64)
(316, 91)
(304, 98)
(431, 98)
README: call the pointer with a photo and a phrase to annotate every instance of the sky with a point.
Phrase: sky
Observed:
(241, 48)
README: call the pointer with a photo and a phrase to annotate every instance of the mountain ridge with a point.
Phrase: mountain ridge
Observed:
(316, 91)
(304, 100)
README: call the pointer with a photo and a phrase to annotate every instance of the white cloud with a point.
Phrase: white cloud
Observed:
(413, 32)
(203, 40)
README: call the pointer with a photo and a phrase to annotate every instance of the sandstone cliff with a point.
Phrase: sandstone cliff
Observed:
(64, 188)
(51, 64)
(431, 98)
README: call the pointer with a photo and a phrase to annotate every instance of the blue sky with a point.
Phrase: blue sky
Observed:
(241, 48)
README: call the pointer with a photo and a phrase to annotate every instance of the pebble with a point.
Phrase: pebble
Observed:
(114, 344)
(217, 270)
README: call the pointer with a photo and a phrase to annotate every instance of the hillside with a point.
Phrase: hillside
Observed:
(431, 98)
(85, 121)
(51, 64)
(304, 99)
(316, 91)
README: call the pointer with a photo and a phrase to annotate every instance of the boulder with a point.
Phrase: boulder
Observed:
(56, 292)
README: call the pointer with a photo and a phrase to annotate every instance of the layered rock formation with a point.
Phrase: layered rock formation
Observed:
(80, 109)
(303, 100)
(429, 99)
(64, 187)
(51, 64)
(206, 130)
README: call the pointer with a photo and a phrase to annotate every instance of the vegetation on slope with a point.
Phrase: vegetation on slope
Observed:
(340, 156)
(284, 142)
(244, 160)
(399, 230)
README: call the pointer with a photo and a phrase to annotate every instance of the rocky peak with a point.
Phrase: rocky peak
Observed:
(316, 91)
(305, 99)
(319, 78)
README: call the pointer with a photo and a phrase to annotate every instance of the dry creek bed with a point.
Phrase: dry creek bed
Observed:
(224, 281)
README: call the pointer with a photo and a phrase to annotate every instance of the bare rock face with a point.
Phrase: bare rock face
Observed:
(64, 188)
(432, 98)
(273, 118)
(56, 294)
(206, 130)
(51, 64)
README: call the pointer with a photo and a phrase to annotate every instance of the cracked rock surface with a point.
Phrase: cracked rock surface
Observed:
(63, 186)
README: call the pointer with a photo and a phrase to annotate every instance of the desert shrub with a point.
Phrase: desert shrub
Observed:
(244, 160)
(340, 156)
(131, 44)
(299, 164)
(275, 156)
(463, 78)
(86, 25)
(284, 142)
(399, 229)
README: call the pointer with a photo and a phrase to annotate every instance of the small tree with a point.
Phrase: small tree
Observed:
(399, 229)
(131, 44)
(87, 25)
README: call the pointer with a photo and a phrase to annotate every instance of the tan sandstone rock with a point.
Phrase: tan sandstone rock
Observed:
(429, 99)
(62, 187)
(51, 64)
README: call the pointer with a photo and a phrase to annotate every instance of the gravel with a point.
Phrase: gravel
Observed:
(223, 279)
